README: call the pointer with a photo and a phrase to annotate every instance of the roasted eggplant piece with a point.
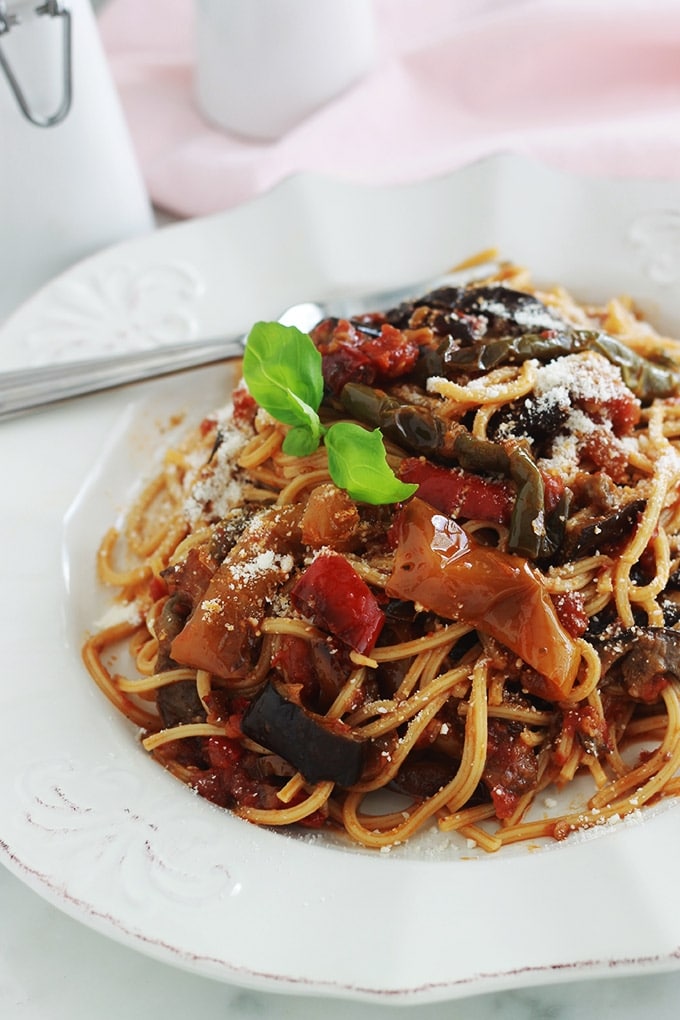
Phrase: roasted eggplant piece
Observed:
(604, 533)
(507, 310)
(172, 618)
(642, 658)
(537, 420)
(311, 743)
(179, 703)
(424, 776)
(489, 309)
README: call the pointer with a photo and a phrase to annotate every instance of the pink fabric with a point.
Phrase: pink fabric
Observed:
(590, 87)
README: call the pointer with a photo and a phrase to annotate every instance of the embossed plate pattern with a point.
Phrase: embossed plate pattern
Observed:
(87, 819)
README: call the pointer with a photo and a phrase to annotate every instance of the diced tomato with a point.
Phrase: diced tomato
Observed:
(438, 565)
(607, 452)
(346, 364)
(553, 488)
(570, 606)
(350, 355)
(623, 410)
(207, 426)
(392, 353)
(222, 752)
(592, 725)
(245, 407)
(459, 493)
(293, 659)
(234, 786)
(504, 801)
(318, 667)
(316, 820)
(511, 766)
(585, 722)
(332, 595)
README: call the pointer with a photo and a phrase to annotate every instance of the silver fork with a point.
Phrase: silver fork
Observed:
(29, 389)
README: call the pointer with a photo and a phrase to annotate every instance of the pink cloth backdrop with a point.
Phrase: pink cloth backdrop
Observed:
(589, 85)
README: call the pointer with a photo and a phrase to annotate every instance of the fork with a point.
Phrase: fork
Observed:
(29, 389)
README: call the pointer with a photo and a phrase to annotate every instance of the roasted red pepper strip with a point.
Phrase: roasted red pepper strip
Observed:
(331, 594)
(459, 493)
(439, 566)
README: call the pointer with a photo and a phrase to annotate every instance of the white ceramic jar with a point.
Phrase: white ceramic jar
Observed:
(262, 66)
(69, 187)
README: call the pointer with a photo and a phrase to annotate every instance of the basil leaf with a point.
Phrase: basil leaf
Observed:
(282, 369)
(358, 463)
(301, 441)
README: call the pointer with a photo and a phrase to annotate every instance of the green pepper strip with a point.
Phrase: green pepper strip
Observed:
(646, 379)
(527, 523)
(408, 425)
(481, 455)
(517, 349)
(367, 404)
(533, 533)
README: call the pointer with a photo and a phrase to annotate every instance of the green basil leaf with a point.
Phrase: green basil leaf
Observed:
(301, 441)
(358, 463)
(282, 369)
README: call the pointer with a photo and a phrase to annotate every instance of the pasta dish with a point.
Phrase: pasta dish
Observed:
(423, 570)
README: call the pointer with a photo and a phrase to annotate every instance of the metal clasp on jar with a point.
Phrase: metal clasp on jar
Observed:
(9, 22)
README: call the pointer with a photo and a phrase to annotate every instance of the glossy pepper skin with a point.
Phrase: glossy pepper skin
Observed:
(331, 594)
(460, 493)
(439, 566)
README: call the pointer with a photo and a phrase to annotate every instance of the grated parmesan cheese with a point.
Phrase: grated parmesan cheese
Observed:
(584, 376)
(120, 612)
(217, 488)
(262, 563)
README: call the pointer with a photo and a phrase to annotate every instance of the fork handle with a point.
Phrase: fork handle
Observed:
(26, 389)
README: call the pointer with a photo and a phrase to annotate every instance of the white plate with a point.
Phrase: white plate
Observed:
(92, 824)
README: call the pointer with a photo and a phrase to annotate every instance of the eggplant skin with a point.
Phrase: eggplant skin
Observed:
(305, 741)
(178, 704)
(642, 658)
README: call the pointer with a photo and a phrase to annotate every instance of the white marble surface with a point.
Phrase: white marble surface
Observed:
(53, 968)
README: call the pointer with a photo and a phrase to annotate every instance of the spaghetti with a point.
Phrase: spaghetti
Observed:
(305, 657)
